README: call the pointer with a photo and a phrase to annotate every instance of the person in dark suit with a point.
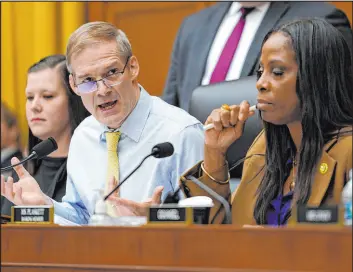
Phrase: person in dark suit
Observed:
(223, 42)
(52, 110)
(10, 137)
(10, 141)
(304, 154)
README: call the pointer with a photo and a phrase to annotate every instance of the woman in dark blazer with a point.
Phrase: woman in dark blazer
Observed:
(304, 153)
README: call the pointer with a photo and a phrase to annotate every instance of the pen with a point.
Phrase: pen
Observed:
(209, 126)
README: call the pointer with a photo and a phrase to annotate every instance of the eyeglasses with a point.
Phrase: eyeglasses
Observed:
(110, 80)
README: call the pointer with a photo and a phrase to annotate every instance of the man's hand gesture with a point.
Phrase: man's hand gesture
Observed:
(24, 192)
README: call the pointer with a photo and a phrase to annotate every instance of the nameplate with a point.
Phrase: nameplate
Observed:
(32, 214)
(327, 214)
(169, 213)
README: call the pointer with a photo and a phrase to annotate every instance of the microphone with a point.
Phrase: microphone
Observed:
(39, 151)
(214, 195)
(161, 150)
(173, 197)
(44, 148)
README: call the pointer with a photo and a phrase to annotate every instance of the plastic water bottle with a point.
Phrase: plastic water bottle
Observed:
(347, 201)
(100, 216)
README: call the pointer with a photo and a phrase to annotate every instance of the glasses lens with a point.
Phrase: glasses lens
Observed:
(87, 87)
(113, 79)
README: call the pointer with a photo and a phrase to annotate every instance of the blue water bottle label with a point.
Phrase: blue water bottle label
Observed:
(348, 212)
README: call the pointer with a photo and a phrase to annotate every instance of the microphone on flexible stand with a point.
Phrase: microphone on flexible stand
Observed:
(158, 151)
(216, 196)
(173, 197)
(44, 148)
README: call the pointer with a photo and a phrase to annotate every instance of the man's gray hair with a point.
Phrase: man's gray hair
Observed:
(94, 33)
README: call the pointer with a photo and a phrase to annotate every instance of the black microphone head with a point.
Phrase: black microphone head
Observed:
(162, 150)
(44, 148)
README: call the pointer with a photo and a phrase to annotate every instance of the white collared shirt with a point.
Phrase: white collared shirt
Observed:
(151, 122)
(253, 21)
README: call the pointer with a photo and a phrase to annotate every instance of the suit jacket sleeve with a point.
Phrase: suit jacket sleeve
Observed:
(339, 20)
(170, 94)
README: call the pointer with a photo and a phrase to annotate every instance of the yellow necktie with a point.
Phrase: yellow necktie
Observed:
(113, 164)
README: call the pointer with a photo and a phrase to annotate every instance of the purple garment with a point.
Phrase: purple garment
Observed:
(278, 212)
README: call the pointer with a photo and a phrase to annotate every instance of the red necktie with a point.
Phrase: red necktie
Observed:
(220, 72)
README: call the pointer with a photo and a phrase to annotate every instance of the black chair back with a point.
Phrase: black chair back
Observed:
(209, 97)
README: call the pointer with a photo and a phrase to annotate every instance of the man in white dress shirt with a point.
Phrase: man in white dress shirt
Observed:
(103, 71)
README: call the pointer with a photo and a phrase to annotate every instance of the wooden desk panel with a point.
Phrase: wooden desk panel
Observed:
(167, 248)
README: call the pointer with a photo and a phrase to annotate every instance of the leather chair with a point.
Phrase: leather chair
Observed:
(206, 98)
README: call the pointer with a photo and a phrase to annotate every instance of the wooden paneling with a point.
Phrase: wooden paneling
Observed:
(151, 28)
(108, 268)
(172, 248)
(96, 11)
(30, 267)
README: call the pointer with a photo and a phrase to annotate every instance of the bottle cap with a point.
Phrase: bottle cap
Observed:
(100, 206)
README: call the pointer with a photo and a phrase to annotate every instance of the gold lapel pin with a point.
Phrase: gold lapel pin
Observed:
(323, 168)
